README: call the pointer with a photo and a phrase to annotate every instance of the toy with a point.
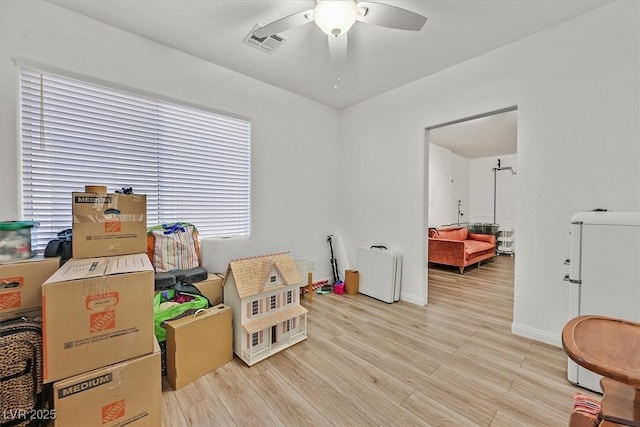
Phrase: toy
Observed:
(264, 294)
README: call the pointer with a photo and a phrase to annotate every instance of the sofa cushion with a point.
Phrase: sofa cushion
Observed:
(475, 248)
(451, 234)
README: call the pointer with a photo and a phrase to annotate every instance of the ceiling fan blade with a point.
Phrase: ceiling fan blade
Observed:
(338, 47)
(390, 16)
(286, 23)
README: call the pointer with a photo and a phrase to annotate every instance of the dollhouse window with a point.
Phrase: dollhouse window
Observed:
(287, 326)
(289, 297)
(254, 339)
(273, 279)
(254, 307)
(272, 302)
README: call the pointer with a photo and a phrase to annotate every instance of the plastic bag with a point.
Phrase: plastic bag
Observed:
(163, 312)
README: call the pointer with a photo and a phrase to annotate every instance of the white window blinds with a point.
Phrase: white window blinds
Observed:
(193, 165)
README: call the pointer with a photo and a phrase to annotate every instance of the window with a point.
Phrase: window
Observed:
(254, 307)
(272, 302)
(254, 339)
(289, 297)
(287, 325)
(193, 165)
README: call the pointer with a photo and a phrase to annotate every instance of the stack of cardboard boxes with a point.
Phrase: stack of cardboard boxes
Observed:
(101, 359)
(100, 351)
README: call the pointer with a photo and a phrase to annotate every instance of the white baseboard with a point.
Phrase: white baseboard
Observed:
(413, 299)
(537, 334)
(410, 298)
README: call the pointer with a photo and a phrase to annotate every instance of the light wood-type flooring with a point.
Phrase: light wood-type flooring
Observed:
(453, 362)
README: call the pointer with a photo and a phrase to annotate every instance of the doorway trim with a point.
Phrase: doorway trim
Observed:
(425, 231)
(477, 116)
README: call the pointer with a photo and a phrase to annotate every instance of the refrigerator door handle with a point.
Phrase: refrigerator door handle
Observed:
(570, 280)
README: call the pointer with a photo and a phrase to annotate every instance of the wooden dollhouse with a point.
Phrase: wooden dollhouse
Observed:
(264, 294)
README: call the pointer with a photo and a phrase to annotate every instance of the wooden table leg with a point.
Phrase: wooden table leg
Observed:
(310, 287)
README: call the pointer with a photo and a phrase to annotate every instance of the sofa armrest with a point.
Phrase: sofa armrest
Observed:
(489, 238)
(445, 251)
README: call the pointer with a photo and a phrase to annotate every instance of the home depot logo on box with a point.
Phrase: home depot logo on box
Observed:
(112, 226)
(112, 411)
(101, 318)
(112, 222)
(102, 321)
(11, 298)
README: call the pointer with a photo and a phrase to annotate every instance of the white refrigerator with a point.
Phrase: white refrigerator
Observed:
(604, 273)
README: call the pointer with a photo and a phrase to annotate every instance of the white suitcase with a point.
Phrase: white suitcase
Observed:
(380, 272)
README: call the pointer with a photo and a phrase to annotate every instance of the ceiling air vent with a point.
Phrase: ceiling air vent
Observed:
(266, 44)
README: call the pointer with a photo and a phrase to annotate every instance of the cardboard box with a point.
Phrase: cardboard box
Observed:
(96, 312)
(211, 288)
(109, 224)
(127, 393)
(20, 286)
(198, 344)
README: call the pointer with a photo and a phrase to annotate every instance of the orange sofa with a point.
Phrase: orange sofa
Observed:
(460, 248)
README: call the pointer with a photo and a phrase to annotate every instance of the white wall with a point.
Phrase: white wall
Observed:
(294, 140)
(448, 183)
(460, 185)
(440, 195)
(453, 177)
(481, 181)
(577, 93)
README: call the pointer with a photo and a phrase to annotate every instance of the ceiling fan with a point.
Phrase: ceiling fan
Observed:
(336, 17)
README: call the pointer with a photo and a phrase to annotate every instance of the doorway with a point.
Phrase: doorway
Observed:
(471, 177)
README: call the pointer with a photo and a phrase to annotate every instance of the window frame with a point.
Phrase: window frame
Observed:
(28, 208)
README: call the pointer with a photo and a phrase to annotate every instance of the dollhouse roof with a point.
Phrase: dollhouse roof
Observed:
(250, 274)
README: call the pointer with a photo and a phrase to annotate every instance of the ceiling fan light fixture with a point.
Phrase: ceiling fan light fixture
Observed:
(335, 17)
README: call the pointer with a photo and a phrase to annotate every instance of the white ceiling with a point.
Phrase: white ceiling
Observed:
(491, 135)
(378, 59)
